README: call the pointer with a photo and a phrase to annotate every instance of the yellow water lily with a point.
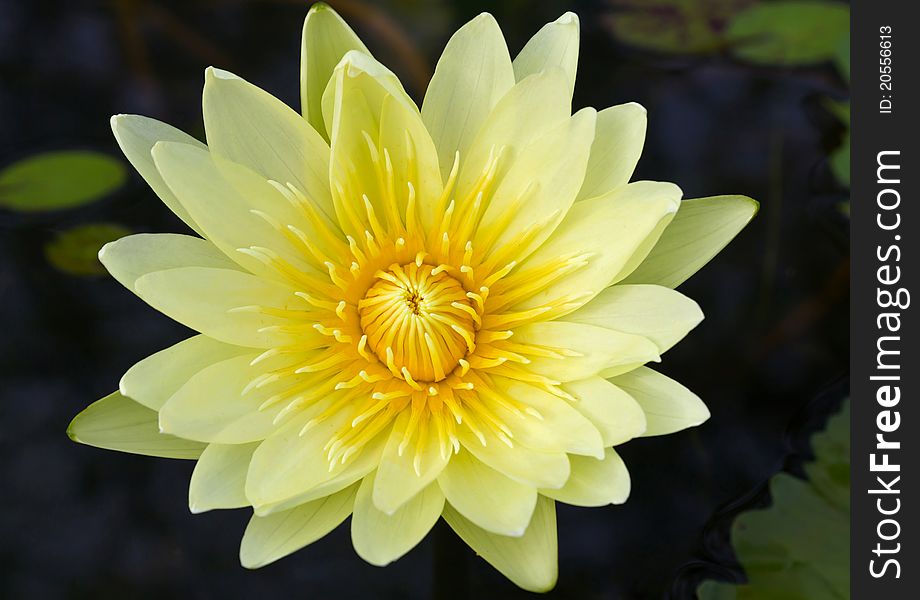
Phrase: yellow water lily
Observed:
(409, 314)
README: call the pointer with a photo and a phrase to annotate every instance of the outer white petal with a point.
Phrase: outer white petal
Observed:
(539, 186)
(486, 497)
(212, 406)
(129, 258)
(355, 470)
(275, 536)
(326, 39)
(522, 464)
(530, 561)
(555, 45)
(617, 147)
(119, 423)
(153, 380)
(612, 233)
(288, 465)
(595, 349)
(251, 127)
(473, 73)
(617, 416)
(359, 63)
(655, 312)
(375, 128)
(219, 303)
(380, 538)
(594, 482)
(397, 479)
(699, 231)
(668, 405)
(527, 112)
(219, 477)
(237, 209)
(136, 136)
(547, 423)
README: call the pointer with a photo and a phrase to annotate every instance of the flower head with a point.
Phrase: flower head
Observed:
(406, 314)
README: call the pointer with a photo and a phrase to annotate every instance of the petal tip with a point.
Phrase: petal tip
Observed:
(213, 73)
(568, 18)
(637, 106)
(71, 433)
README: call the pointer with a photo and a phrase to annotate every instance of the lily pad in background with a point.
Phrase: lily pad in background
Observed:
(840, 161)
(799, 548)
(674, 26)
(76, 251)
(57, 180)
(790, 33)
(840, 157)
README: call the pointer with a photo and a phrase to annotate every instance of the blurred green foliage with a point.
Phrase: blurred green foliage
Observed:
(779, 33)
(799, 548)
(790, 33)
(57, 180)
(675, 26)
(840, 157)
(76, 250)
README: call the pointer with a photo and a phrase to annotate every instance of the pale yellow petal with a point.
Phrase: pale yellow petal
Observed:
(212, 406)
(611, 232)
(364, 463)
(119, 423)
(288, 465)
(668, 405)
(275, 536)
(594, 482)
(129, 258)
(618, 143)
(136, 136)
(249, 126)
(592, 349)
(400, 478)
(381, 151)
(220, 304)
(219, 477)
(352, 64)
(486, 497)
(555, 45)
(380, 538)
(547, 422)
(699, 231)
(473, 73)
(326, 39)
(528, 111)
(655, 312)
(153, 380)
(530, 561)
(231, 203)
(615, 414)
(539, 185)
(522, 464)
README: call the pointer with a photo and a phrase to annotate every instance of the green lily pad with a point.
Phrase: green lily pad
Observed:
(840, 161)
(840, 157)
(76, 251)
(842, 57)
(790, 33)
(674, 26)
(798, 548)
(57, 180)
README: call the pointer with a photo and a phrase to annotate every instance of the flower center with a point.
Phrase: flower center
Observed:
(418, 320)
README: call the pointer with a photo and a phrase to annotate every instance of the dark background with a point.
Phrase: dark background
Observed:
(78, 522)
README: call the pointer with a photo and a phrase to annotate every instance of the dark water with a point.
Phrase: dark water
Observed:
(769, 360)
